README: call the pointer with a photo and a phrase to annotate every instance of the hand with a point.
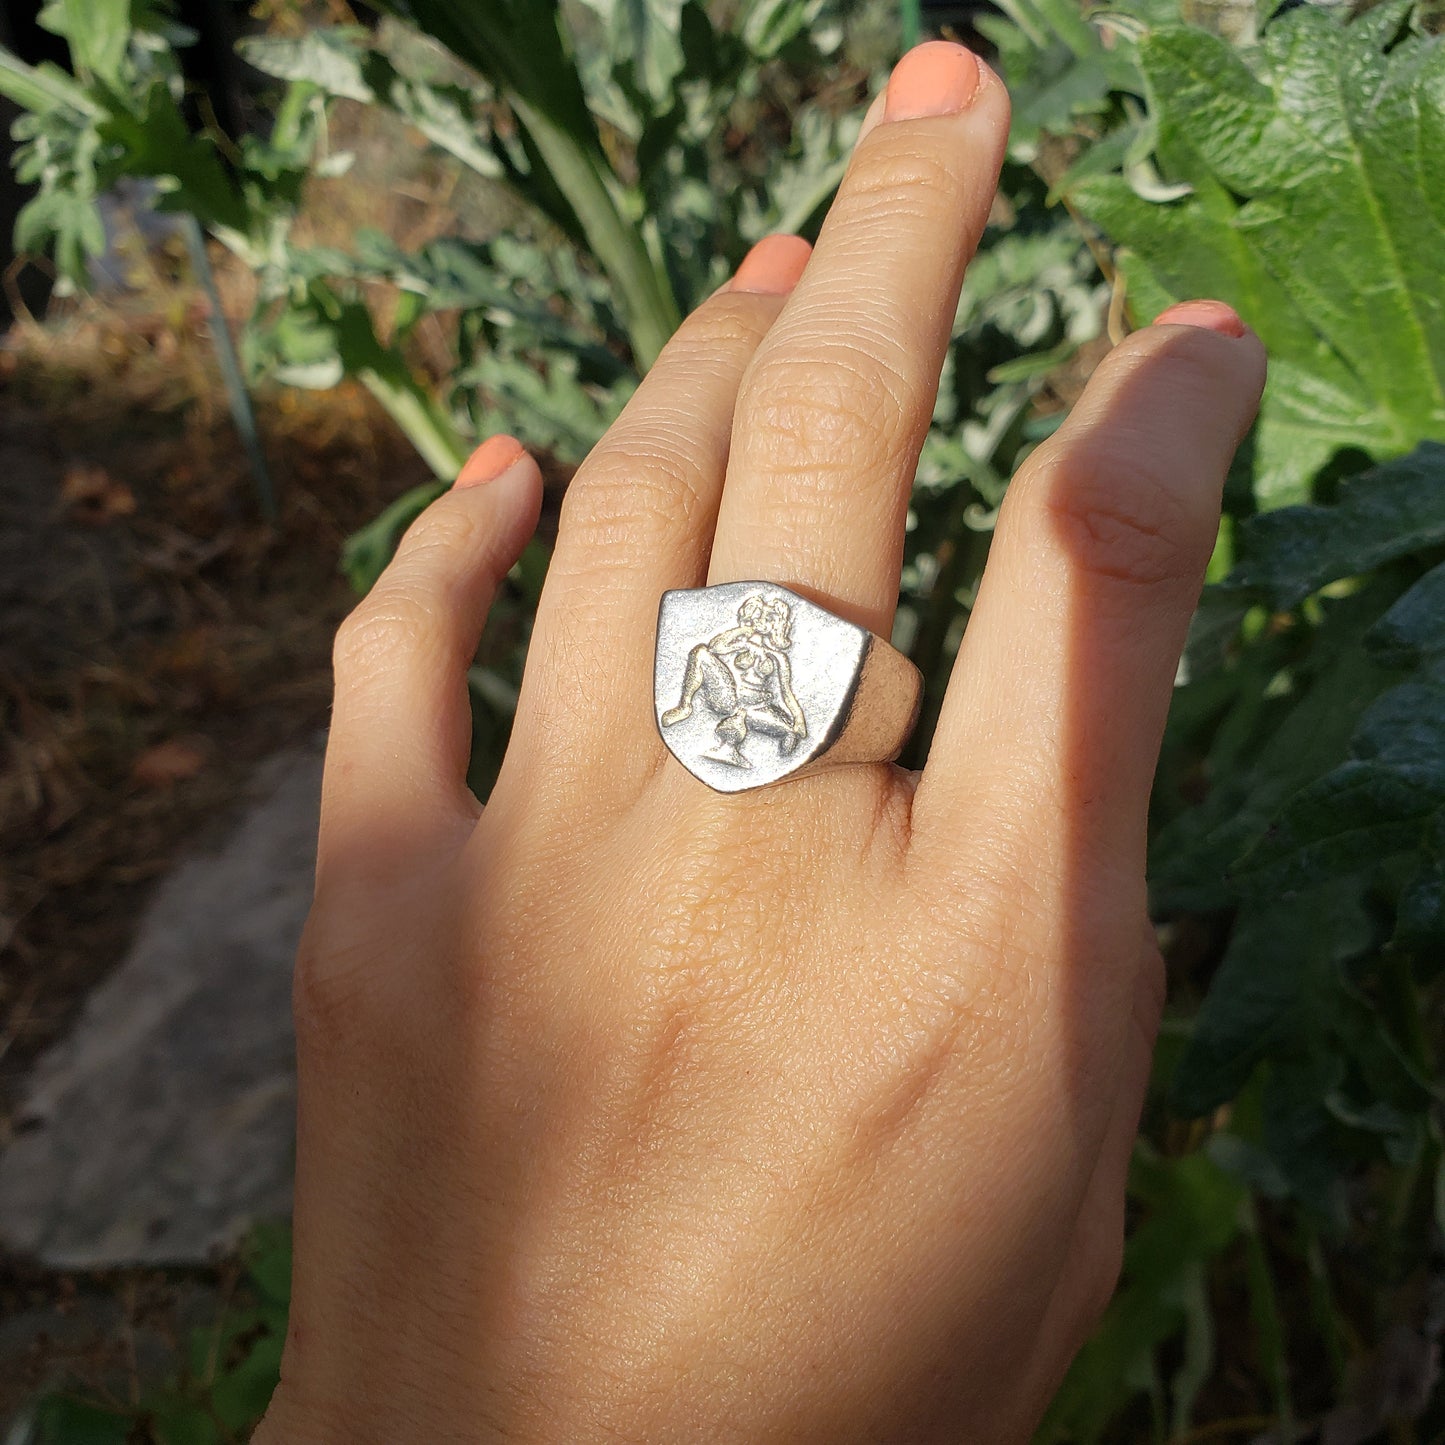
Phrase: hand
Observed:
(634, 1112)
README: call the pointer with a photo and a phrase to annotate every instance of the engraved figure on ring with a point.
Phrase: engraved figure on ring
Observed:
(744, 677)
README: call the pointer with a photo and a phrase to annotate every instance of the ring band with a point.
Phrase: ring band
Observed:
(753, 684)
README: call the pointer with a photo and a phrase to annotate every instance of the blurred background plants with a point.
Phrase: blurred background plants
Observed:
(1283, 1279)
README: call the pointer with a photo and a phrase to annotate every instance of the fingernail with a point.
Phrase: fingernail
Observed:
(773, 266)
(935, 78)
(1212, 315)
(490, 460)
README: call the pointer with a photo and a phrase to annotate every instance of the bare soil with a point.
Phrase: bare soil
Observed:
(157, 639)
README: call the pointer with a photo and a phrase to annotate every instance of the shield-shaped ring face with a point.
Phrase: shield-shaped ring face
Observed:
(753, 683)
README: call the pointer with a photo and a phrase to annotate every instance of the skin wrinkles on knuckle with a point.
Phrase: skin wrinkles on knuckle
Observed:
(844, 413)
(393, 625)
(330, 984)
(1122, 514)
(653, 485)
(901, 174)
(444, 530)
(731, 324)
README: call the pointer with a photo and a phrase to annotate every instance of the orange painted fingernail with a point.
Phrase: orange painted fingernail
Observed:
(935, 78)
(490, 460)
(773, 266)
(1212, 315)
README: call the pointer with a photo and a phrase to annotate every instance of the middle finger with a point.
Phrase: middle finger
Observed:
(836, 402)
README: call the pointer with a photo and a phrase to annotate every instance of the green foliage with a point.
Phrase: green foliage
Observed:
(1296, 171)
(223, 1380)
(1193, 1211)
(1313, 168)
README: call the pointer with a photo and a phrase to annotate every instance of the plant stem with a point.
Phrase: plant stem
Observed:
(1268, 1322)
(910, 22)
(615, 242)
(238, 398)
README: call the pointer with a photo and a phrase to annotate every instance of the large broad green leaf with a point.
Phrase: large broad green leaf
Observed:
(1386, 513)
(1317, 168)
(1385, 800)
(1414, 627)
(1272, 992)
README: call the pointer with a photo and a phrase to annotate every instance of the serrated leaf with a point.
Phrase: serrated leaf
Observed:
(154, 140)
(1345, 823)
(1318, 163)
(1379, 803)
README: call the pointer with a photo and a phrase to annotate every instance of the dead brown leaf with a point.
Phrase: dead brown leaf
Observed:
(168, 763)
(93, 496)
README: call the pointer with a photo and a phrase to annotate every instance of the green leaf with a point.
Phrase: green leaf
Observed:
(1420, 914)
(268, 1261)
(155, 141)
(41, 88)
(97, 31)
(518, 45)
(1379, 803)
(766, 26)
(1352, 818)
(70, 222)
(1271, 992)
(365, 553)
(332, 58)
(1383, 514)
(61, 1420)
(242, 1391)
(645, 35)
(1415, 626)
(1317, 164)
(1191, 1212)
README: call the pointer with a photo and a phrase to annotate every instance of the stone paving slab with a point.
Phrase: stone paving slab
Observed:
(162, 1125)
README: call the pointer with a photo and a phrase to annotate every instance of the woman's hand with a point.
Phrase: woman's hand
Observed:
(635, 1112)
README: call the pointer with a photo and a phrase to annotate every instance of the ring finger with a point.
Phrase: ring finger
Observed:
(836, 402)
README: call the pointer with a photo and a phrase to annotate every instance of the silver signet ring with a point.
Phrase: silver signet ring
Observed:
(754, 684)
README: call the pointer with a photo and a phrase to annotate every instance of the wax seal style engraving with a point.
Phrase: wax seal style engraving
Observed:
(754, 684)
(746, 682)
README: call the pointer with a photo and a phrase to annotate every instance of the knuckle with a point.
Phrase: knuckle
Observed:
(438, 533)
(849, 411)
(903, 178)
(720, 334)
(1121, 515)
(329, 986)
(1195, 359)
(644, 482)
(392, 622)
